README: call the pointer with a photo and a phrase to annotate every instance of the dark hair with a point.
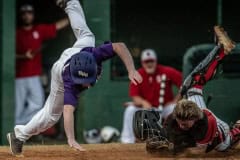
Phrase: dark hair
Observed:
(187, 110)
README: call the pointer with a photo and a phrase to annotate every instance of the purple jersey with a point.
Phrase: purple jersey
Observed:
(71, 90)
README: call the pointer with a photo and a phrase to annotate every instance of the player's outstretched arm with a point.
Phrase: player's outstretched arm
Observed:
(139, 101)
(69, 127)
(62, 24)
(121, 50)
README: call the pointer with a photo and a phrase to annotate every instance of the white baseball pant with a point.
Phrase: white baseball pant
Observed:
(29, 98)
(53, 108)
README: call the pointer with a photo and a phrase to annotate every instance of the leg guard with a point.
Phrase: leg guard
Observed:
(204, 71)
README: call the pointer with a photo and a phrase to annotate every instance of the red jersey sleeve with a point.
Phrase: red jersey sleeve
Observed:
(175, 76)
(47, 31)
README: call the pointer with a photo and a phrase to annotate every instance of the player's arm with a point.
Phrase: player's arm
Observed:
(62, 24)
(49, 31)
(177, 81)
(122, 51)
(21, 56)
(134, 92)
(176, 78)
(27, 55)
(177, 98)
(139, 101)
(68, 114)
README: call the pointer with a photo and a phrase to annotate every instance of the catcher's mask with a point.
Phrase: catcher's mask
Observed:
(147, 124)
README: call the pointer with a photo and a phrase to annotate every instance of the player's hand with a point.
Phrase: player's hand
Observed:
(75, 145)
(146, 105)
(29, 54)
(135, 77)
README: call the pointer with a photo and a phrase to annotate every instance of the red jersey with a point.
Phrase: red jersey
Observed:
(203, 132)
(211, 128)
(157, 88)
(32, 39)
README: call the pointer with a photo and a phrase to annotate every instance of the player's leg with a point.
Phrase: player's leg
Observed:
(51, 111)
(228, 138)
(194, 83)
(225, 136)
(127, 135)
(35, 98)
(20, 99)
(201, 75)
(45, 118)
(200, 78)
(85, 37)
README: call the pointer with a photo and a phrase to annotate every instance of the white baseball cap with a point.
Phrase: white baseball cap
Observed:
(148, 54)
(26, 8)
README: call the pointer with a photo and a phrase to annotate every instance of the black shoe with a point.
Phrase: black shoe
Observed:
(62, 3)
(15, 144)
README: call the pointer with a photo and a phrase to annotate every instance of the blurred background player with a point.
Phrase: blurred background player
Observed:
(156, 91)
(77, 69)
(29, 96)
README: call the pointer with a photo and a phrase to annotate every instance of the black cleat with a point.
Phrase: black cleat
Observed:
(15, 144)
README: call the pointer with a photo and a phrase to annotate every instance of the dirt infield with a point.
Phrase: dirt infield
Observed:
(109, 152)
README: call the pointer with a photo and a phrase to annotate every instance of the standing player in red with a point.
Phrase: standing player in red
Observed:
(154, 92)
(29, 39)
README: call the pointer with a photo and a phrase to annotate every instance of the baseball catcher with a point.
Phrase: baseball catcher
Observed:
(191, 124)
(77, 69)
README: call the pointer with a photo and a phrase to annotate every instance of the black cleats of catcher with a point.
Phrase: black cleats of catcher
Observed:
(15, 144)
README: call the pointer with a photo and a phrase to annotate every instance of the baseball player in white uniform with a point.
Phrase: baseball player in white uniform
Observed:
(77, 69)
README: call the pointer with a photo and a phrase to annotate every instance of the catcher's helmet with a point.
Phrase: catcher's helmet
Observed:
(83, 68)
(147, 124)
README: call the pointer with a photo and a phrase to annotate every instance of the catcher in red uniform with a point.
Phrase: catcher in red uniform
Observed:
(191, 124)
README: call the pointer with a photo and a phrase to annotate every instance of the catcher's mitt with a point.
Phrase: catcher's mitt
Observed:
(158, 143)
(147, 127)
